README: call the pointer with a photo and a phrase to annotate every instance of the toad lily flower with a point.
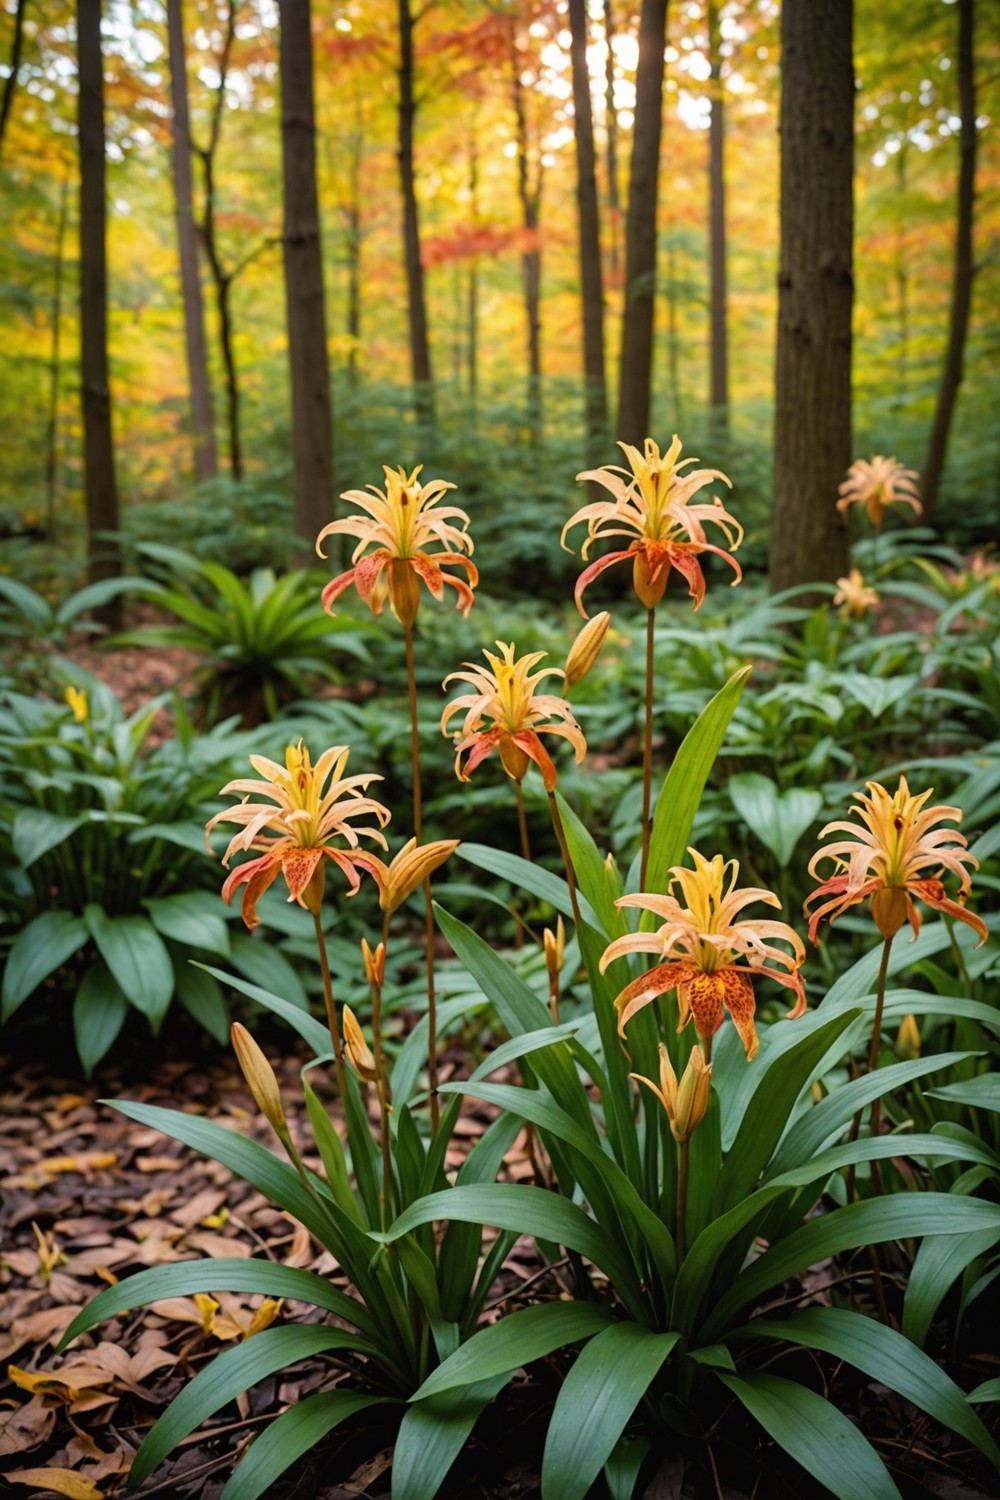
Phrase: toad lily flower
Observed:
(402, 521)
(854, 596)
(876, 484)
(890, 856)
(292, 831)
(506, 713)
(703, 942)
(651, 507)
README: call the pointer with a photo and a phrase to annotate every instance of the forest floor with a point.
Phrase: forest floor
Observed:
(90, 1197)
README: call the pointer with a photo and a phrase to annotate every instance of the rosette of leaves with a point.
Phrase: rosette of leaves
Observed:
(108, 896)
(261, 642)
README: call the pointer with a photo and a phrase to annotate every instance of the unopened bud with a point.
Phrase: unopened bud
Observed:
(586, 648)
(356, 1049)
(260, 1078)
(78, 702)
(908, 1039)
(374, 963)
(410, 869)
(555, 947)
(404, 590)
(889, 909)
(693, 1094)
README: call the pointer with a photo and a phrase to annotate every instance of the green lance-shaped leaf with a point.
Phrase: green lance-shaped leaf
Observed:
(308, 1028)
(777, 818)
(190, 917)
(886, 1356)
(35, 832)
(98, 1015)
(525, 876)
(228, 1376)
(825, 1442)
(297, 1430)
(939, 1262)
(432, 1434)
(609, 1378)
(137, 956)
(47, 941)
(514, 1341)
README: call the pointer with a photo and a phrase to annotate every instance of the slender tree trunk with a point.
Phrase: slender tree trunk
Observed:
(420, 350)
(101, 490)
(719, 380)
(591, 275)
(902, 278)
(312, 420)
(614, 197)
(674, 336)
(55, 369)
(14, 64)
(812, 420)
(472, 298)
(352, 217)
(206, 462)
(530, 195)
(961, 296)
(634, 388)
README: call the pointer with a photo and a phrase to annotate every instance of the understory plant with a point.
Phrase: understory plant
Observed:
(685, 1168)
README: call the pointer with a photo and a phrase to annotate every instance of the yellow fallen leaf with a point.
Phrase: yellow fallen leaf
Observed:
(59, 1481)
(86, 1161)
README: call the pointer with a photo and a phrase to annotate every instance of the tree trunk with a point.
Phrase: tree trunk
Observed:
(591, 276)
(352, 219)
(206, 462)
(10, 82)
(420, 351)
(961, 297)
(640, 229)
(530, 196)
(614, 198)
(472, 296)
(674, 335)
(812, 419)
(312, 422)
(902, 280)
(101, 491)
(55, 370)
(718, 399)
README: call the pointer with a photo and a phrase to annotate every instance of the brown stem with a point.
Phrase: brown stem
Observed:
(331, 1010)
(522, 823)
(382, 1088)
(647, 752)
(873, 1051)
(432, 1071)
(557, 824)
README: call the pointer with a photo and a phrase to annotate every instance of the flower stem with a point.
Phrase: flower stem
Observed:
(682, 1192)
(522, 823)
(331, 1010)
(873, 1051)
(647, 752)
(382, 1089)
(411, 682)
(557, 824)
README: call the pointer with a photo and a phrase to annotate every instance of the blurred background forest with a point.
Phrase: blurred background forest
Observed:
(491, 237)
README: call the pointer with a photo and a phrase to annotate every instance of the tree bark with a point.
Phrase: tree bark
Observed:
(961, 297)
(206, 462)
(812, 436)
(640, 228)
(353, 236)
(718, 399)
(10, 83)
(55, 369)
(420, 351)
(591, 274)
(472, 292)
(614, 197)
(312, 421)
(530, 196)
(100, 487)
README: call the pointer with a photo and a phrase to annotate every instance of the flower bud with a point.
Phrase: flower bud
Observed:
(404, 590)
(79, 703)
(908, 1039)
(693, 1093)
(889, 909)
(260, 1078)
(515, 760)
(586, 648)
(356, 1049)
(555, 946)
(410, 869)
(374, 963)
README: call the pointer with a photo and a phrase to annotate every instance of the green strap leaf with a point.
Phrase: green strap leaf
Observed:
(47, 941)
(432, 1434)
(228, 1376)
(982, 1092)
(297, 1430)
(608, 1380)
(527, 876)
(184, 1278)
(35, 831)
(514, 1341)
(190, 917)
(684, 783)
(308, 1028)
(98, 1015)
(939, 1262)
(886, 1356)
(777, 818)
(827, 1445)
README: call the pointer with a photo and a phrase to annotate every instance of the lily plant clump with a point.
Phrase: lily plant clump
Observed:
(685, 1169)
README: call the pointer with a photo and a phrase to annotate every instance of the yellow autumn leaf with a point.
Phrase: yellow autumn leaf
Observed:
(59, 1482)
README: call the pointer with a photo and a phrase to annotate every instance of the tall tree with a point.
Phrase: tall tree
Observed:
(100, 487)
(202, 411)
(635, 380)
(812, 418)
(312, 423)
(420, 349)
(13, 68)
(961, 296)
(718, 398)
(611, 142)
(591, 274)
(530, 174)
(55, 367)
